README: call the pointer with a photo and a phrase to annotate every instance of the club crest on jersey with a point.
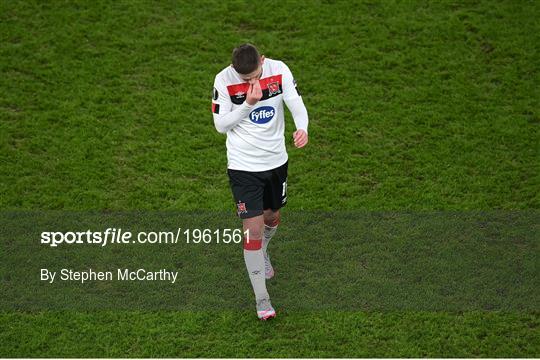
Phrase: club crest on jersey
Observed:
(262, 115)
(273, 88)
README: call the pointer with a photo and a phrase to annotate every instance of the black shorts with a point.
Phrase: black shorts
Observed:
(257, 191)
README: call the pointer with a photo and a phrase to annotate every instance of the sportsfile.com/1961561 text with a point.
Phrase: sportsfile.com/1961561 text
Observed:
(118, 236)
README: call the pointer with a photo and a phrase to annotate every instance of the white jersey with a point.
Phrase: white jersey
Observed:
(255, 141)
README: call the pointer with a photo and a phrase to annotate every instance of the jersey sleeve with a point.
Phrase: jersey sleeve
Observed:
(221, 102)
(299, 113)
(222, 108)
(293, 100)
(290, 90)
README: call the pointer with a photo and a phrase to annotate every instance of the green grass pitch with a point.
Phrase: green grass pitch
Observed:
(415, 106)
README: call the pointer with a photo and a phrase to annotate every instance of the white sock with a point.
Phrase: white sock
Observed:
(255, 266)
(269, 232)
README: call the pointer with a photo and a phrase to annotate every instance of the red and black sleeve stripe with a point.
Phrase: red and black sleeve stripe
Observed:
(271, 86)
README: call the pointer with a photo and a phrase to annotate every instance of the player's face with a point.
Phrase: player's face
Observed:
(255, 75)
(252, 77)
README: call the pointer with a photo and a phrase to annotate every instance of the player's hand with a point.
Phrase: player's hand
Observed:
(300, 138)
(254, 93)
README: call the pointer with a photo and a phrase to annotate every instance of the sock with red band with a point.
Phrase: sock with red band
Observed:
(253, 256)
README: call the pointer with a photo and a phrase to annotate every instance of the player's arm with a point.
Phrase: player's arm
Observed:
(296, 106)
(225, 118)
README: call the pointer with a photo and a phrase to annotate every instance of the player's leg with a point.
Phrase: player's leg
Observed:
(271, 222)
(253, 255)
(254, 259)
(275, 197)
(248, 192)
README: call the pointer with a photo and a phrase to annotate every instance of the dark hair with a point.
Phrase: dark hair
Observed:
(245, 59)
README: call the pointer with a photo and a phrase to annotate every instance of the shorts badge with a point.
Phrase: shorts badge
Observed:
(241, 208)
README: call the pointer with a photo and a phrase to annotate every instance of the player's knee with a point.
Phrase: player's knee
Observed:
(253, 238)
(254, 233)
(272, 218)
(253, 228)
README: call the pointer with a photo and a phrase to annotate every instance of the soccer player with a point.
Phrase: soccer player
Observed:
(247, 105)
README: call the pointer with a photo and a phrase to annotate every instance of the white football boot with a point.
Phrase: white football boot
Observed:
(265, 310)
